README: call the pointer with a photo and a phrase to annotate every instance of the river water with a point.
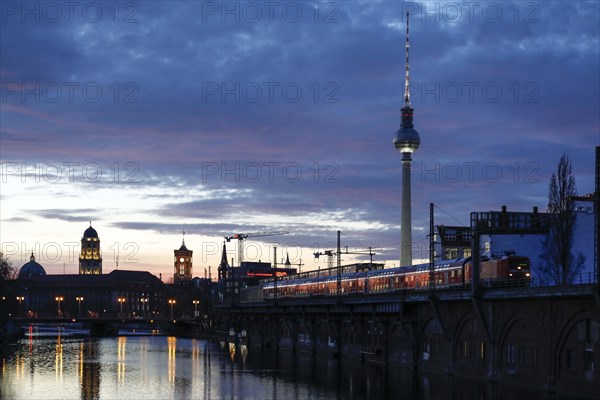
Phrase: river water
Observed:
(161, 367)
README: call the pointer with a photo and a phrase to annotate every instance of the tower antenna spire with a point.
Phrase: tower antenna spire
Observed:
(407, 80)
(183, 240)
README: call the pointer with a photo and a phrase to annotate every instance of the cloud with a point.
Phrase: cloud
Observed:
(193, 107)
(75, 215)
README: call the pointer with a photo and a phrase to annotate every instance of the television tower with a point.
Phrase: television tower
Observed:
(406, 141)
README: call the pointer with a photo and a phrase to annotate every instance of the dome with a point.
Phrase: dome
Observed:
(90, 233)
(31, 269)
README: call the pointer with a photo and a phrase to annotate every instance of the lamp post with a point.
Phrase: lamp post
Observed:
(144, 301)
(79, 300)
(20, 300)
(196, 302)
(121, 300)
(172, 303)
(58, 300)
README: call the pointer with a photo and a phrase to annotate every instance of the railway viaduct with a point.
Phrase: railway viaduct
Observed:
(540, 337)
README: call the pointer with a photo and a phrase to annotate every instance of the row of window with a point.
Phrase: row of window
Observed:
(452, 236)
(523, 354)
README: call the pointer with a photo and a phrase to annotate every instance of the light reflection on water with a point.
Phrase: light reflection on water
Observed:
(154, 367)
(138, 368)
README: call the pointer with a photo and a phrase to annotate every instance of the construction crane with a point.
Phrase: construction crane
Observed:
(368, 251)
(329, 254)
(241, 236)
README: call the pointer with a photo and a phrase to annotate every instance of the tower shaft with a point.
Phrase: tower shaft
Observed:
(406, 217)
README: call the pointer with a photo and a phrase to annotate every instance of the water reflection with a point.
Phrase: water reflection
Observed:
(176, 368)
(121, 348)
(59, 360)
(172, 347)
(89, 370)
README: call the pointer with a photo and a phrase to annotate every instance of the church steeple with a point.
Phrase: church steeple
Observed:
(223, 265)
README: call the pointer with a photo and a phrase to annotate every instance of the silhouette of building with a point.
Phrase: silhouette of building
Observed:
(31, 269)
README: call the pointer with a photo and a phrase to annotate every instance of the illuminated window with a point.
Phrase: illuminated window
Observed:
(181, 269)
(465, 348)
(450, 253)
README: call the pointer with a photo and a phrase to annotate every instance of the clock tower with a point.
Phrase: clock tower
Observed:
(90, 259)
(183, 263)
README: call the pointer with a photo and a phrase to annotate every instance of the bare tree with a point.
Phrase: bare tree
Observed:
(7, 270)
(557, 261)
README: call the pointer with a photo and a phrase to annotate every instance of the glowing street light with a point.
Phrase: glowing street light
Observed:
(58, 300)
(172, 303)
(196, 302)
(121, 300)
(79, 300)
(20, 300)
(144, 301)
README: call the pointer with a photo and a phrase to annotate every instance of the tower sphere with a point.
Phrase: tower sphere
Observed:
(407, 140)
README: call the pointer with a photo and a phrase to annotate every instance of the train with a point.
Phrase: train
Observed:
(508, 270)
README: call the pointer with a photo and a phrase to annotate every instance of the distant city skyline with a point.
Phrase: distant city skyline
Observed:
(149, 119)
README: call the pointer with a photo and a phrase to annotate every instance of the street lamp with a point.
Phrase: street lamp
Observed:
(79, 300)
(144, 301)
(196, 302)
(121, 300)
(172, 303)
(20, 300)
(58, 300)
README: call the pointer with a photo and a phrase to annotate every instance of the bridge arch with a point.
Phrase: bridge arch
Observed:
(433, 347)
(577, 352)
(521, 349)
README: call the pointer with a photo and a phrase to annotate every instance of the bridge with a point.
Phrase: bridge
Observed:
(108, 326)
(545, 337)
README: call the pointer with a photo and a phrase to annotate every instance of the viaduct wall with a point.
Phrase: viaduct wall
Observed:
(540, 338)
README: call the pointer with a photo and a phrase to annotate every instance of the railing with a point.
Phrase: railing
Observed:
(579, 279)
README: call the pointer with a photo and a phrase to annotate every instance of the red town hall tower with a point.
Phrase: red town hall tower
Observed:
(183, 263)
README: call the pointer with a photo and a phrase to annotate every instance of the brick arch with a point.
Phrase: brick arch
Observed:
(578, 345)
(433, 347)
(520, 352)
(402, 339)
(352, 332)
(470, 346)
(323, 331)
